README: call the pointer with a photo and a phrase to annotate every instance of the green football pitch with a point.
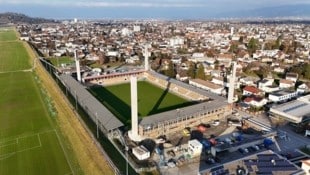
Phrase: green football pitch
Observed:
(29, 142)
(7, 34)
(13, 57)
(151, 100)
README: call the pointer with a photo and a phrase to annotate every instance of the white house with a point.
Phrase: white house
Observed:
(141, 152)
(278, 69)
(270, 89)
(133, 59)
(207, 85)
(249, 81)
(112, 54)
(176, 60)
(303, 88)
(24, 38)
(285, 84)
(251, 90)
(291, 76)
(255, 101)
(194, 148)
(282, 96)
(265, 82)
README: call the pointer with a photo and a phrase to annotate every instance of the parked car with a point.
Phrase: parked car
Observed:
(216, 123)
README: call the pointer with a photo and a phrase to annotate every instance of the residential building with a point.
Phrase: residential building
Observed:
(286, 84)
(251, 90)
(291, 76)
(282, 95)
(303, 88)
(255, 101)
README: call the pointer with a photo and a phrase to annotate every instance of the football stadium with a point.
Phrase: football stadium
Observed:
(189, 107)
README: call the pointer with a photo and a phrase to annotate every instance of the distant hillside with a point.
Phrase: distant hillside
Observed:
(6, 18)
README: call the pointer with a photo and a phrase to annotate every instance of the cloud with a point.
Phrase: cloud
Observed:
(221, 5)
(136, 4)
(109, 3)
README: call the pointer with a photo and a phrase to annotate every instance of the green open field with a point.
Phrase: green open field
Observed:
(61, 60)
(29, 142)
(7, 34)
(151, 99)
(13, 56)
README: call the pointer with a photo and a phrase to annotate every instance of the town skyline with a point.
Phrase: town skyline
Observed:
(158, 9)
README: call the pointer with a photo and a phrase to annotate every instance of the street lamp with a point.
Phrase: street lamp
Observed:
(126, 149)
(97, 125)
(76, 105)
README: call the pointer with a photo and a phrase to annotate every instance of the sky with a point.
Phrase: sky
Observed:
(141, 9)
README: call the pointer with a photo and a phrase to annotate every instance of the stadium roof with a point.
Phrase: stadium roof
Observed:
(182, 112)
(91, 104)
(190, 87)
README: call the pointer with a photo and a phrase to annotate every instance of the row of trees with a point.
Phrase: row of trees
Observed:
(194, 71)
(302, 70)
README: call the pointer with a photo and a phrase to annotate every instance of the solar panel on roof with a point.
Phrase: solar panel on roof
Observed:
(271, 169)
(217, 168)
(295, 107)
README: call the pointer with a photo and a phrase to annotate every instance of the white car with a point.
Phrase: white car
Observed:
(216, 123)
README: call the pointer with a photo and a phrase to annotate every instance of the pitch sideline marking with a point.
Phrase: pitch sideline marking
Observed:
(5, 156)
(66, 156)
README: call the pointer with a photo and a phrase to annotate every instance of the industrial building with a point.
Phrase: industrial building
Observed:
(295, 111)
(266, 162)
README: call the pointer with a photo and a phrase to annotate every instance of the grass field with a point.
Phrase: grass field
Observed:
(7, 34)
(151, 100)
(29, 142)
(62, 60)
(13, 57)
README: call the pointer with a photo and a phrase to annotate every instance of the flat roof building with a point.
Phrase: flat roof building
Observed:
(266, 162)
(295, 111)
